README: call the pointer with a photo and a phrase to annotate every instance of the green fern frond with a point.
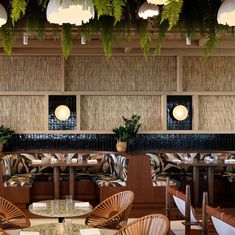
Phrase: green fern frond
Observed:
(142, 28)
(66, 40)
(162, 31)
(18, 9)
(107, 38)
(117, 9)
(210, 45)
(145, 42)
(171, 12)
(8, 36)
(103, 7)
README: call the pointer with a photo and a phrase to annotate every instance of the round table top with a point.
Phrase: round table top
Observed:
(56, 229)
(58, 208)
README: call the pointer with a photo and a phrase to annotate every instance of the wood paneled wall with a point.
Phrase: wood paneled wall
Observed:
(125, 85)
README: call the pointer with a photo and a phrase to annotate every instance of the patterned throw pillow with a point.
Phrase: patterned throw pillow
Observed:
(23, 163)
(156, 164)
(169, 163)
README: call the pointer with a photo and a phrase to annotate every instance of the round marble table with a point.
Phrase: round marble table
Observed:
(55, 229)
(59, 208)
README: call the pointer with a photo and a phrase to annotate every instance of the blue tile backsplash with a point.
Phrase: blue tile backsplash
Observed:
(107, 142)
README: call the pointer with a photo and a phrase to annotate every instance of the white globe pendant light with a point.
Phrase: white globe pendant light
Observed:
(76, 12)
(3, 15)
(62, 112)
(158, 2)
(180, 112)
(226, 13)
(147, 10)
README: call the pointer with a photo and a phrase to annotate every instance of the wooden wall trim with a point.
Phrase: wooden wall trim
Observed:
(179, 74)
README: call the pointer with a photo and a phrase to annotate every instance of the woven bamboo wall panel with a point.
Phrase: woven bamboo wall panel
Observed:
(105, 112)
(31, 73)
(22, 112)
(124, 73)
(217, 113)
(212, 74)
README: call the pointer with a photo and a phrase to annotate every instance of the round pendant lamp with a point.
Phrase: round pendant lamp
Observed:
(76, 12)
(62, 112)
(158, 2)
(3, 15)
(147, 10)
(180, 112)
(226, 13)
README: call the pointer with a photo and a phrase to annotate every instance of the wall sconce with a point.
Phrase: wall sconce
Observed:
(180, 112)
(62, 112)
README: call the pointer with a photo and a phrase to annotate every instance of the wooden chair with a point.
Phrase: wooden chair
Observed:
(112, 212)
(223, 223)
(147, 225)
(11, 217)
(183, 203)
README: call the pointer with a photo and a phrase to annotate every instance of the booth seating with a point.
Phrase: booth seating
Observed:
(165, 165)
(17, 171)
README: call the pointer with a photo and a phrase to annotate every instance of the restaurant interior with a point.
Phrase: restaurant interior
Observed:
(117, 117)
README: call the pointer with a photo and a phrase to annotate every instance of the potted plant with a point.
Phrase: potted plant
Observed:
(125, 134)
(5, 135)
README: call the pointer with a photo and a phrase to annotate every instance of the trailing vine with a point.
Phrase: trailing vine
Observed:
(66, 40)
(161, 35)
(8, 36)
(142, 29)
(107, 37)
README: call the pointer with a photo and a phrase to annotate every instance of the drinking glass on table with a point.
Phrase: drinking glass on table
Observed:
(68, 201)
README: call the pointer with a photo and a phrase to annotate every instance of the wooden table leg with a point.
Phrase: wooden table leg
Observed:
(196, 185)
(210, 181)
(71, 180)
(56, 177)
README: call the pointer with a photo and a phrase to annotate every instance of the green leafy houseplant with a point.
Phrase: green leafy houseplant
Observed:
(6, 134)
(127, 132)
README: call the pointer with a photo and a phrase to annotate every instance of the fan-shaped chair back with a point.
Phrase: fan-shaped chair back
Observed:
(112, 212)
(11, 217)
(147, 225)
(223, 223)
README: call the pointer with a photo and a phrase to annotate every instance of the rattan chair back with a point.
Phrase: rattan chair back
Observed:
(11, 217)
(147, 225)
(112, 212)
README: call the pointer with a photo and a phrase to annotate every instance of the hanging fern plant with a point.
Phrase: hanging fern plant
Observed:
(142, 28)
(171, 12)
(66, 40)
(110, 8)
(8, 36)
(161, 35)
(18, 9)
(107, 37)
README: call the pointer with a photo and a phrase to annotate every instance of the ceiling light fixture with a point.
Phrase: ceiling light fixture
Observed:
(147, 10)
(3, 15)
(158, 2)
(76, 12)
(226, 13)
(62, 112)
(180, 112)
